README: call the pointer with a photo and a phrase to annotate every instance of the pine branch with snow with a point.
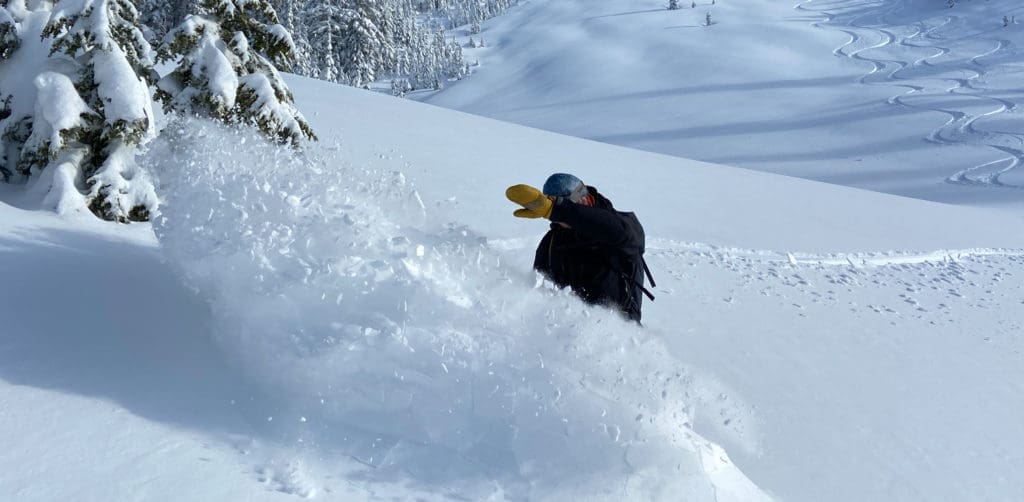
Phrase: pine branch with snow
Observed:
(226, 69)
(62, 121)
(9, 40)
(157, 18)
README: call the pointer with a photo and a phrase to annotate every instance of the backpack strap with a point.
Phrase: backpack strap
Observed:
(645, 292)
(648, 272)
(639, 282)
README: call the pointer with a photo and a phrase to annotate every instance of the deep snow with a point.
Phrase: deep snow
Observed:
(362, 323)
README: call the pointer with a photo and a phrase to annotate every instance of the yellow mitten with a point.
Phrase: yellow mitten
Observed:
(536, 204)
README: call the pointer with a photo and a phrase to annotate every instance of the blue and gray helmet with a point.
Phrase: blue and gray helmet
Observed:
(565, 185)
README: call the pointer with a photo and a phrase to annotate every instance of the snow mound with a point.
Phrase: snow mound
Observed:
(392, 334)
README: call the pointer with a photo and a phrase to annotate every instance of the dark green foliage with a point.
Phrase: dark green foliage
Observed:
(256, 20)
(237, 43)
(9, 40)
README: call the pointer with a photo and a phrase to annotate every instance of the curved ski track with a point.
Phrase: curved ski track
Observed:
(960, 128)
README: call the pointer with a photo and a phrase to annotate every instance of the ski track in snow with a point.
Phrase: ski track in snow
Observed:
(938, 93)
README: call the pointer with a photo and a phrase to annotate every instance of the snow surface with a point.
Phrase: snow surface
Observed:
(908, 97)
(361, 323)
(851, 345)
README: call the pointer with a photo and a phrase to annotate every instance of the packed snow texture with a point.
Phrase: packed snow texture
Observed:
(402, 340)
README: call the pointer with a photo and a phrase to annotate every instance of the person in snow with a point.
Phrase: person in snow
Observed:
(591, 248)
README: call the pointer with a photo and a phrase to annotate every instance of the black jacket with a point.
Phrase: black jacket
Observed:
(599, 257)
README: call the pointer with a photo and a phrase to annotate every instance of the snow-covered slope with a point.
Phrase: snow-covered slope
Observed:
(904, 96)
(364, 324)
(833, 328)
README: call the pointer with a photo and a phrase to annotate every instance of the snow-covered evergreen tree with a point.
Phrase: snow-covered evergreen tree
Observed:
(673, 5)
(356, 41)
(158, 17)
(287, 13)
(180, 9)
(325, 20)
(9, 40)
(106, 111)
(227, 68)
(363, 49)
(460, 12)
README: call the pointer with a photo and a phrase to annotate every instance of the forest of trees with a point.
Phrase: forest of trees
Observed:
(356, 42)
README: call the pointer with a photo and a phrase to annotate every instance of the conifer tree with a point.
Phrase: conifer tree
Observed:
(227, 68)
(363, 47)
(110, 117)
(377, 39)
(325, 20)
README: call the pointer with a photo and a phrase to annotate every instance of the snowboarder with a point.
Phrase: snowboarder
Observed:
(591, 248)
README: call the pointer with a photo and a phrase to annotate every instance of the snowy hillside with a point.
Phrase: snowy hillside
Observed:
(908, 97)
(359, 320)
(839, 337)
(363, 324)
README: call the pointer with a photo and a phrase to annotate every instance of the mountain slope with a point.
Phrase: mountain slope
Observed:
(907, 97)
(363, 323)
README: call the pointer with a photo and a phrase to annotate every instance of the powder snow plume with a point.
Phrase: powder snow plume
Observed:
(403, 342)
